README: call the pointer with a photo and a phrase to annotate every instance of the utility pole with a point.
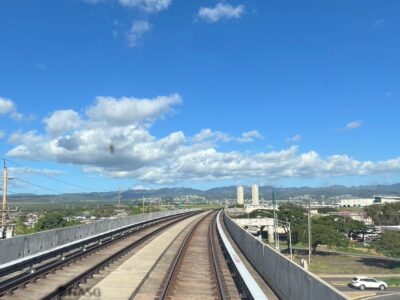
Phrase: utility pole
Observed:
(290, 242)
(119, 199)
(309, 232)
(143, 206)
(275, 222)
(4, 206)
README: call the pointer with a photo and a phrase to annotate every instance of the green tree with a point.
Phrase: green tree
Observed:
(53, 220)
(323, 234)
(21, 228)
(384, 214)
(342, 224)
(389, 244)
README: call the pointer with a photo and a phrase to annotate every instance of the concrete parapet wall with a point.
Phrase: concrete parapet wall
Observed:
(286, 278)
(25, 245)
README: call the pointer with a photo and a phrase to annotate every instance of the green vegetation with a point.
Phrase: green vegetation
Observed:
(326, 210)
(53, 220)
(21, 228)
(392, 281)
(323, 234)
(336, 263)
(384, 214)
(389, 244)
(327, 230)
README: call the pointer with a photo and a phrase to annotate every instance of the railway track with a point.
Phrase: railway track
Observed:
(58, 277)
(195, 272)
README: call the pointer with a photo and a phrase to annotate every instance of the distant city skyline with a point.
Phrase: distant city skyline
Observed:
(108, 95)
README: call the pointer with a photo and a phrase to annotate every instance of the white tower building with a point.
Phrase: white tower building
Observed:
(254, 195)
(240, 195)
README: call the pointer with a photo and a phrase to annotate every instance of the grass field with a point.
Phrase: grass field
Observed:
(337, 263)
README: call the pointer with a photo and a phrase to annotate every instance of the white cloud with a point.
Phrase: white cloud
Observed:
(138, 29)
(1, 134)
(353, 125)
(61, 121)
(150, 6)
(207, 135)
(114, 139)
(222, 11)
(139, 188)
(293, 139)
(125, 110)
(249, 136)
(8, 107)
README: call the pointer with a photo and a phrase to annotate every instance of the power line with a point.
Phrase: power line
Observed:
(38, 186)
(47, 176)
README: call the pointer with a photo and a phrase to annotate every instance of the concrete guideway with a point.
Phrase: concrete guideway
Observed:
(122, 283)
(156, 279)
(287, 279)
(248, 279)
(47, 284)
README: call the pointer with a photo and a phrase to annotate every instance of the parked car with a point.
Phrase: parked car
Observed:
(363, 283)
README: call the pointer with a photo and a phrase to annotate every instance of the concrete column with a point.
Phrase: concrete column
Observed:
(270, 229)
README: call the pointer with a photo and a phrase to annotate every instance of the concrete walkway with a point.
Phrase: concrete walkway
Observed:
(123, 281)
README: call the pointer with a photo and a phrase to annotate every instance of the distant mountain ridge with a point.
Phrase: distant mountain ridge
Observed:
(226, 192)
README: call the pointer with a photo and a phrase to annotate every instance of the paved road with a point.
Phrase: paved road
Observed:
(392, 293)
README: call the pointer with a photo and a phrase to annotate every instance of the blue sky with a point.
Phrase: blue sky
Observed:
(286, 93)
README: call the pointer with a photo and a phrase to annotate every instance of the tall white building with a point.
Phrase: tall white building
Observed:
(254, 194)
(240, 195)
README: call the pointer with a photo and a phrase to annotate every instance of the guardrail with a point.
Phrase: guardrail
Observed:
(286, 278)
(18, 250)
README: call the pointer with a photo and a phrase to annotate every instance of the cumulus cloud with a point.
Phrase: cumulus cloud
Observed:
(61, 121)
(138, 29)
(353, 125)
(207, 135)
(294, 139)
(125, 110)
(114, 139)
(222, 11)
(249, 136)
(8, 107)
(150, 6)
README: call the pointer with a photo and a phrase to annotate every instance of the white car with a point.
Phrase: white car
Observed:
(363, 283)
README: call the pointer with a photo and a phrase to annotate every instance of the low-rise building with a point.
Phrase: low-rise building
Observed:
(361, 202)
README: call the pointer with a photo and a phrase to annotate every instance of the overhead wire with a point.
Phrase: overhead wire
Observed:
(47, 176)
(38, 186)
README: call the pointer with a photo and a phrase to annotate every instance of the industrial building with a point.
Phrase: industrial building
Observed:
(361, 202)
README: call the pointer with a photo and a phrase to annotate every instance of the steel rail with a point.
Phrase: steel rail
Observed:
(178, 261)
(216, 264)
(8, 286)
(28, 262)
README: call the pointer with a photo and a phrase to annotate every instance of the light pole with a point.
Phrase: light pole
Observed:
(309, 232)
(287, 224)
